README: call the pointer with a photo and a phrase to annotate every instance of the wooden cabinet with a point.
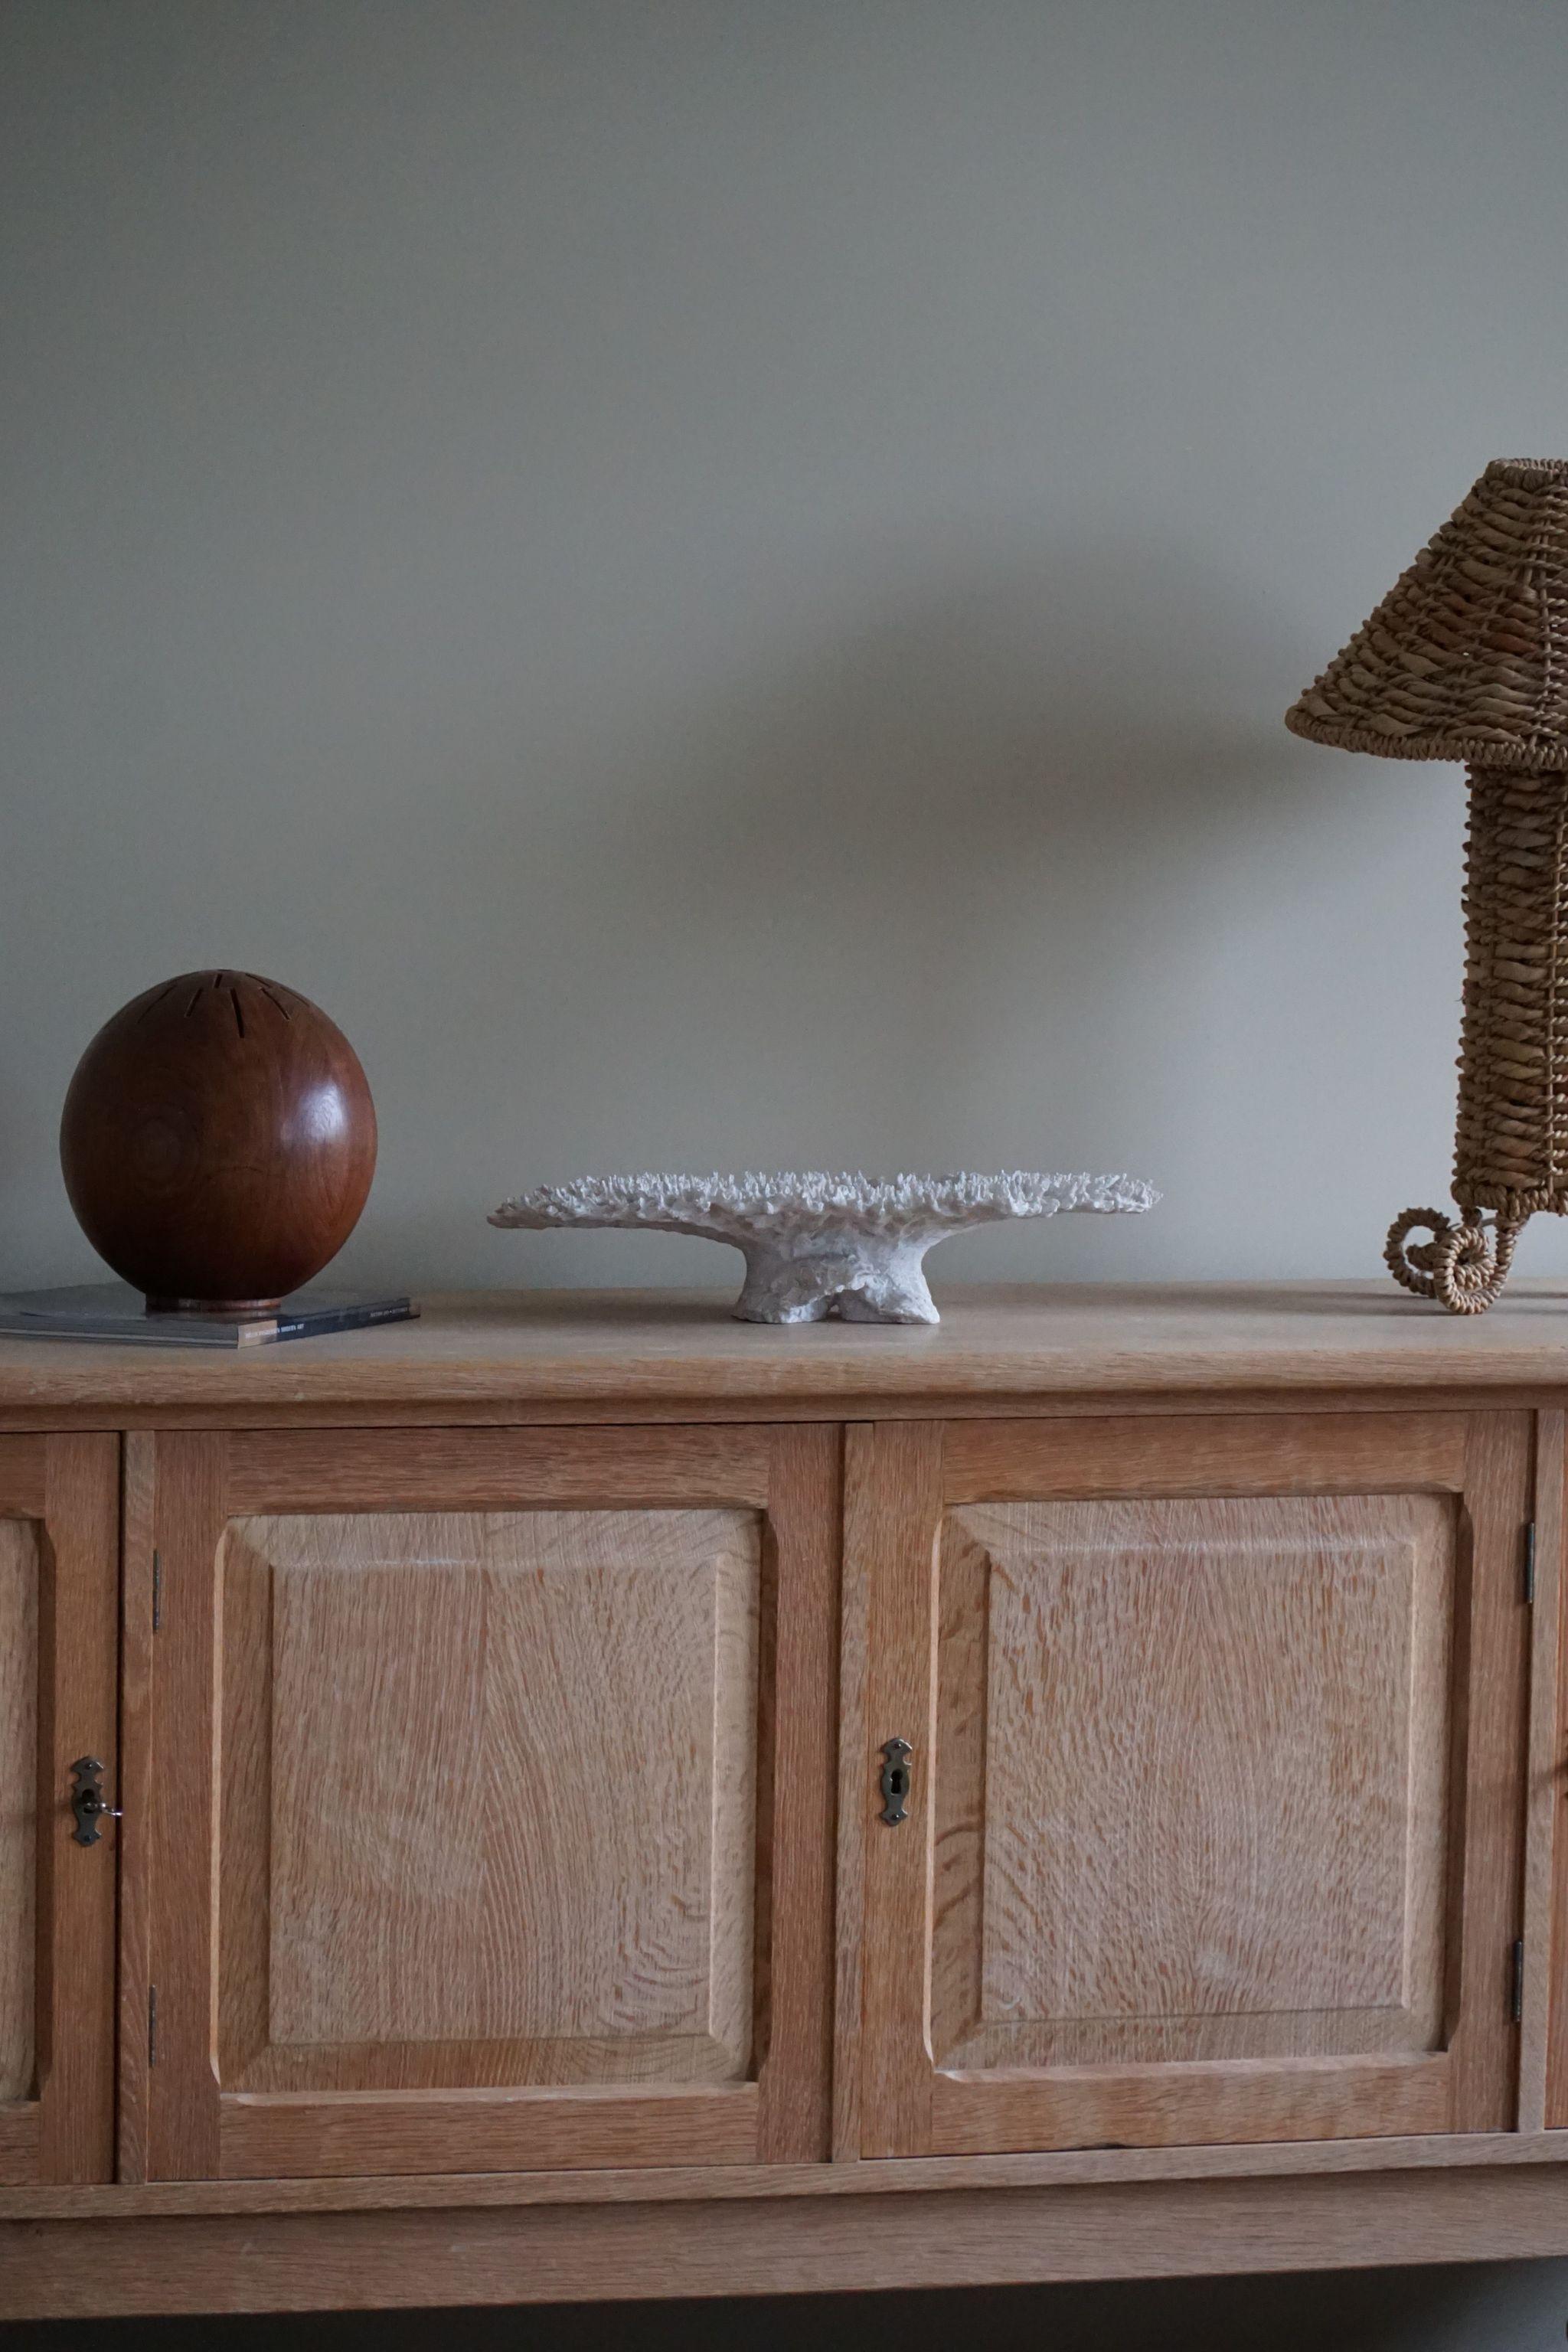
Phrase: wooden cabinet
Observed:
(59, 1502)
(1215, 1825)
(492, 1779)
(617, 1802)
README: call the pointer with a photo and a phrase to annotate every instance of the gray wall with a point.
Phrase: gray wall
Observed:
(718, 582)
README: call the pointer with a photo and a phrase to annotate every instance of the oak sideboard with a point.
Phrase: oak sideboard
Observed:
(578, 1797)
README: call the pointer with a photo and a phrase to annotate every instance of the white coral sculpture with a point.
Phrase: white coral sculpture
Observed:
(818, 1245)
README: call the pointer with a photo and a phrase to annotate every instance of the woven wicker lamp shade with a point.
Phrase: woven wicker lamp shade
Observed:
(1467, 658)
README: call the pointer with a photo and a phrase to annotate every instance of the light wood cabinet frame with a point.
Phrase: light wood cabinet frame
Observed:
(842, 1505)
(60, 1509)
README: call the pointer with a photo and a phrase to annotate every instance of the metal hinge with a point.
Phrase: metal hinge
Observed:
(1519, 1981)
(1530, 1563)
(157, 1591)
(151, 2025)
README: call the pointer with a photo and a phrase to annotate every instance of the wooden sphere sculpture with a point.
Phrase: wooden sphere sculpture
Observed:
(218, 1142)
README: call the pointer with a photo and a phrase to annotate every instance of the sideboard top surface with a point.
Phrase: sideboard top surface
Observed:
(478, 1350)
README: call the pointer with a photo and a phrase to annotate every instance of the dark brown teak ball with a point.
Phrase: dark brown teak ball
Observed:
(219, 1141)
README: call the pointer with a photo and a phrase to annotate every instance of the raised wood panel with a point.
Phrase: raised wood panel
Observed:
(18, 1802)
(1216, 1823)
(492, 1834)
(493, 1777)
(1169, 1732)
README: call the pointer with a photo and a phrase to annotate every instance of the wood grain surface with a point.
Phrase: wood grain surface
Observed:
(339, 1470)
(699, 2183)
(59, 1569)
(490, 1799)
(383, 2131)
(140, 1595)
(894, 1477)
(1216, 1454)
(1491, 1747)
(1547, 1954)
(18, 1802)
(518, 2255)
(1237, 1758)
(798, 1803)
(509, 1834)
(218, 1140)
(1171, 1733)
(1544, 1779)
(622, 1354)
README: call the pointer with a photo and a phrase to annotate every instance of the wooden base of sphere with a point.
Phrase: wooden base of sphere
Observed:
(231, 1308)
(1511, 1151)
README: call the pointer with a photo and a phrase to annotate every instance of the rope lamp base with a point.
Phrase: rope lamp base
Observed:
(1464, 1266)
(1467, 658)
(1510, 1156)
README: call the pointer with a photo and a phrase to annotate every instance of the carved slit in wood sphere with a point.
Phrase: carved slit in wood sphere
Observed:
(218, 1142)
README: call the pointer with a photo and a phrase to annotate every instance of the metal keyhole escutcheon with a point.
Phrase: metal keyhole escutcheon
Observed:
(896, 1754)
(88, 1801)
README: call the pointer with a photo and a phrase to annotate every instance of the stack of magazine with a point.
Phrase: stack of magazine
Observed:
(112, 1310)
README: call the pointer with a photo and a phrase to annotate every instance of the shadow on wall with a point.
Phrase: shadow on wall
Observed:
(1515, 2307)
(999, 805)
(956, 884)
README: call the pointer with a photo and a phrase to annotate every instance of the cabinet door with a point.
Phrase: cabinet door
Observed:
(59, 1564)
(493, 1807)
(1213, 1825)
